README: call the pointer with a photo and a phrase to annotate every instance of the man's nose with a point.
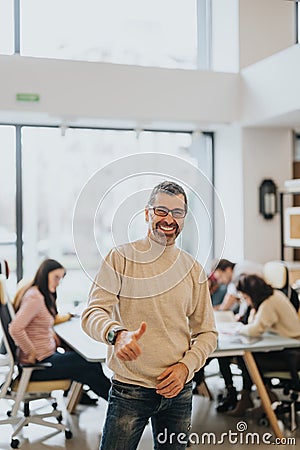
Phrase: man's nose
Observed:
(169, 218)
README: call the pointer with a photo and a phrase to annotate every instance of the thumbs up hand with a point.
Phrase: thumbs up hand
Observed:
(126, 346)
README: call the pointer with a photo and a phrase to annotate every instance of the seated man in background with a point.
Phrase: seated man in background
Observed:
(227, 272)
(217, 291)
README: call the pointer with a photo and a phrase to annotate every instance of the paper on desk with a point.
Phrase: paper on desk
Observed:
(237, 339)
(224, 316)
(230, 332)
(230, 328)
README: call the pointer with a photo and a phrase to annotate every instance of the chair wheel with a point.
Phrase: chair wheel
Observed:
(68, 434)
(59, 418)
(14, 443)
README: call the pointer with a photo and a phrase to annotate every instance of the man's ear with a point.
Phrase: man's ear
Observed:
(146, 214)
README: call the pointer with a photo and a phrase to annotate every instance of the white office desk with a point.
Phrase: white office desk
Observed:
(235, 345)
(228, 345)
(76, 338)
(72, 334)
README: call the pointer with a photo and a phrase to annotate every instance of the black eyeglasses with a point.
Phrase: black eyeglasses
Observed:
(163, 211)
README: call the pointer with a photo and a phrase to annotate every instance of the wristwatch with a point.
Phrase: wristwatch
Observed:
(113, 333)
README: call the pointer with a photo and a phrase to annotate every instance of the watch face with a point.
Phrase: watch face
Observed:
(111, 337)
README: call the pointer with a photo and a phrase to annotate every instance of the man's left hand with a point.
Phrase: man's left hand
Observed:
(172, 380)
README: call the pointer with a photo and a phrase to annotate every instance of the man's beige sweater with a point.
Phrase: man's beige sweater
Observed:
(166, 288)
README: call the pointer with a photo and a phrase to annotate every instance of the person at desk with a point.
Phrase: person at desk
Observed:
(32, 331)
(217, 291)
(227, 272)
(272, 311)
(150, 303)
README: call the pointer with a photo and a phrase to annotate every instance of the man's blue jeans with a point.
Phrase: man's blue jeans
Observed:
(129, 409)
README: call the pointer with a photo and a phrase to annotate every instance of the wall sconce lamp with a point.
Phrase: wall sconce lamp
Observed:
(268, 199)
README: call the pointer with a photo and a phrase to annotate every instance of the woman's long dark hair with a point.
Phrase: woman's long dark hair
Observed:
(256, 288)
(41, 282)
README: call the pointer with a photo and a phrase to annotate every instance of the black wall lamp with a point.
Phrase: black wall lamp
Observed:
(268, 199)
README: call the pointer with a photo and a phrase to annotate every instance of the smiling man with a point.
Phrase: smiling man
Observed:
(166, 222)
(150, 303)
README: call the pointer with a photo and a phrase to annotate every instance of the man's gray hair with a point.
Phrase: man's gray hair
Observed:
(167, 187)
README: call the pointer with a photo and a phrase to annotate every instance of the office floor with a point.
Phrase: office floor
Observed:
(87, 423)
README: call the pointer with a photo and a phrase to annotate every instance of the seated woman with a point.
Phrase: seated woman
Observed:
(274, 312)
(32, 331)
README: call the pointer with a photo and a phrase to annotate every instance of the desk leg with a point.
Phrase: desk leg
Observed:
(257, 380)
(74, 396)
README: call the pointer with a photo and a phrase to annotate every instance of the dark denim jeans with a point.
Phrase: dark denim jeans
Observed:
(129, 409)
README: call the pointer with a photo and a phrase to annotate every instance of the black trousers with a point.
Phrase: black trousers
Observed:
(70, 365)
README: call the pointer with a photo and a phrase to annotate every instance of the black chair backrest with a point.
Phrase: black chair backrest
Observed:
(4, 269)
(290, 292)
(294, 299)
(5, 318)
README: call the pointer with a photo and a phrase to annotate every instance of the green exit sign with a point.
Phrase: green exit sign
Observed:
(27, 97)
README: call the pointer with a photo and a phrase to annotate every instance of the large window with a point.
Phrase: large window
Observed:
(8, 199)
(140, 32)
(6, 27)
(57, 166)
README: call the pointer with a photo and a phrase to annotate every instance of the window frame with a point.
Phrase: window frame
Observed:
(204, 33)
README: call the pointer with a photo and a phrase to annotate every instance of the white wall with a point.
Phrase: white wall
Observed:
(247, 31)
(81, 90)
(244, 157)
(267, 153)
(229, 185)
(265, 27)
(271, 87)
(225, 35)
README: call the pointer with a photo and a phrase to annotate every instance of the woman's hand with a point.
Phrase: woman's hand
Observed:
(31, 358)
(61, 318)
(57, 339)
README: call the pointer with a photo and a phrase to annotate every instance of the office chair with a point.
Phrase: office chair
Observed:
(21, 390)
(277, 275)
(289, 382)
